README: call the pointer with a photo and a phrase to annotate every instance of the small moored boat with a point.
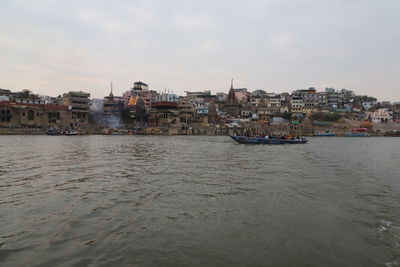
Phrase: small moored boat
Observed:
(394, 133)
(357, 132)
(267, 141)
(70, 133)
(52, 131)
(354, 134)
(326, 134)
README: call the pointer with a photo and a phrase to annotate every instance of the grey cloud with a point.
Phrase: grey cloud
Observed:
(197, 45)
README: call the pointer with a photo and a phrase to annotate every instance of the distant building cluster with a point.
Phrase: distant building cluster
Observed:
(196, 112)
(25, 109)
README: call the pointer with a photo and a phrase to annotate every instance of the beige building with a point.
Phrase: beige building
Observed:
(13, 115)
(186, 109)
(78, 103)
(163, 114)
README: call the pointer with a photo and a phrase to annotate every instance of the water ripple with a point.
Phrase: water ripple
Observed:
(195, 201)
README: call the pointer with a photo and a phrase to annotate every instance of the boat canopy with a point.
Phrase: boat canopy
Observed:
(359, 130)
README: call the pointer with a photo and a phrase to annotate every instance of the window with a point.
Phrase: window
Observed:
(8, 116)
(31, 115)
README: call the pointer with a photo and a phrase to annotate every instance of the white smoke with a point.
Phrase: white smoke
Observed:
(112, 121)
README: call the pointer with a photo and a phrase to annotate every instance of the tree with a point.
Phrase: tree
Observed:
(287, 115)
(319, 116)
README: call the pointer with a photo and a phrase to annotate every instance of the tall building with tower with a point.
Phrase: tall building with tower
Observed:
(232, 106)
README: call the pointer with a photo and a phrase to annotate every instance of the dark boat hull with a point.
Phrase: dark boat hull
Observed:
(71, 133)
(392, 134)
(52, 133)
(325, 134)
(356, 135)
(266, 141)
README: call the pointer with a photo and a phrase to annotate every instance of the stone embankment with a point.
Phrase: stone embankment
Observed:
(22, 131)
(348, 125)
(307, 128)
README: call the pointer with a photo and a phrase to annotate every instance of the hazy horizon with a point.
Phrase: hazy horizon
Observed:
(51, 47)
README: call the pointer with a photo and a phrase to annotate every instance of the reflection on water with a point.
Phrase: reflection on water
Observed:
(196, 201)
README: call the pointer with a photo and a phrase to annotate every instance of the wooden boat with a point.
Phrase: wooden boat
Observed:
(267, 141)
(357, 132)
(394, 133)
(326, 134)
(52, 131)
(354, 134)
(71, 133)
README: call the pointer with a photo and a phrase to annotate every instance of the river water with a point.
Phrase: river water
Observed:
(198, 201)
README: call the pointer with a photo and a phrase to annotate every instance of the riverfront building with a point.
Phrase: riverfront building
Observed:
(13, 115)
(381, 115)
(141, 90)
(26, 110)
(166, 116)
(79, 104)
(232, 106)
(142, 109)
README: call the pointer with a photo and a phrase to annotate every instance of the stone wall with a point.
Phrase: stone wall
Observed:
(14, 115)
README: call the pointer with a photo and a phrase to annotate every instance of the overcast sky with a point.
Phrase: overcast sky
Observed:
(54, 46)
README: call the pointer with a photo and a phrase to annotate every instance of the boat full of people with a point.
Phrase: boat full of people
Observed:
(270, 140)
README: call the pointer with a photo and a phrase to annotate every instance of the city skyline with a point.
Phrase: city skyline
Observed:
(52, 47)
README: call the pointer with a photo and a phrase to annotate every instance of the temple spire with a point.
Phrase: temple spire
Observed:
(231, 94)
(111, 93)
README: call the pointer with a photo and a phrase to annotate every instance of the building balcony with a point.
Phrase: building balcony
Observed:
(79, 94)
(80, 99)
(77, 109)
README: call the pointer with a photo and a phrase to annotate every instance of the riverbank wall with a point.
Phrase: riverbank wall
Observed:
(304, 129)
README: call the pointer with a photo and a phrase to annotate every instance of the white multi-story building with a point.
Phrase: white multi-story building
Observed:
(274, 102)
(198, 94)
(221, 97)
(381, 115)
(5, 95)
(167, 97)
(255, 101)
(297, 104)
